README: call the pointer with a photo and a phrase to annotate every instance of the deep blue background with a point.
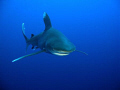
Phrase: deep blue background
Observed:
(92, 25)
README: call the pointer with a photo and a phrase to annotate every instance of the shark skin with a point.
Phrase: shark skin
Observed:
(50, 41)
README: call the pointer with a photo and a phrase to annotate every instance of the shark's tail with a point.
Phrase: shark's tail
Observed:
(26, 39)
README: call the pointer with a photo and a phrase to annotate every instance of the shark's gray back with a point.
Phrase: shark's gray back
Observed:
(50, 37)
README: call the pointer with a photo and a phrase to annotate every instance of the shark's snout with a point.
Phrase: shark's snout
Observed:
(62, 49)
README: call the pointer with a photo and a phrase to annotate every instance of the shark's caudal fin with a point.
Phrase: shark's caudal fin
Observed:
(28, 55)
(81, 52)
(26, 39)
(47, 21)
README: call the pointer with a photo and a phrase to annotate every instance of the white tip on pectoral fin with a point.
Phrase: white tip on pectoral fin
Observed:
(28, 55)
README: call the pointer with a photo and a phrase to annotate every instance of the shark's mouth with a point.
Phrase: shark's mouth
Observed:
(61, 53)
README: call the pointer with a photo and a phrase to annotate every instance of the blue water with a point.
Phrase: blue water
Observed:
(92, 25)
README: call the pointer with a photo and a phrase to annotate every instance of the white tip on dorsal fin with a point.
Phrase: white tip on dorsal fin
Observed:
(47, 21)
(44, 14)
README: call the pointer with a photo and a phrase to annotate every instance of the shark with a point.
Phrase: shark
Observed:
(50, 41)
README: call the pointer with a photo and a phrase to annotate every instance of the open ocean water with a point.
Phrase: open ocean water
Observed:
(92, 25)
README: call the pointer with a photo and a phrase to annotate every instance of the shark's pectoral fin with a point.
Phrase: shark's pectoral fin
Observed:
(81, 52)
(28, 55)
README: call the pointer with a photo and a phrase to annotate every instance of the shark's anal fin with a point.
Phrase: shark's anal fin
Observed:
(81, 52)
(28, 55)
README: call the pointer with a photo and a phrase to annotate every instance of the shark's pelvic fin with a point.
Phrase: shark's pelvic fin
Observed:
(32, 47)
(28, 55)
(47, 21)
(81, 52)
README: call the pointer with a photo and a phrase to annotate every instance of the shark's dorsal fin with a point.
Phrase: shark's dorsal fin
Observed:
(32, 35)
(28, 55)
(46, 21)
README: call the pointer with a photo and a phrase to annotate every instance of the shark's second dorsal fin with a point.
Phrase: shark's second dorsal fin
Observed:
(32, 35)
(46, 21)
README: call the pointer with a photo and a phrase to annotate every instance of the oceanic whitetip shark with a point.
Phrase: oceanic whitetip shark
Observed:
(50, 41)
